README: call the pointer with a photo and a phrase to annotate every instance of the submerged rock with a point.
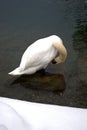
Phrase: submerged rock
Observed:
(43, 81)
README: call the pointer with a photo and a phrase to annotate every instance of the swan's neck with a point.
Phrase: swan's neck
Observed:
(62, 51)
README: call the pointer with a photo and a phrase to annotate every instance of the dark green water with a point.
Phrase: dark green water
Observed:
(23, 22)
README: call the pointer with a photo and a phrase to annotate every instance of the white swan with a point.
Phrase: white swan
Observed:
(23, 115)
(38, 55)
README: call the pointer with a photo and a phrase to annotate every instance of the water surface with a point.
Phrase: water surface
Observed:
(23, 22)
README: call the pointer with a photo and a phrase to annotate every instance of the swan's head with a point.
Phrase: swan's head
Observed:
(58, 44)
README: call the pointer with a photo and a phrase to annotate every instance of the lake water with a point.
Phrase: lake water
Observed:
(23, 22)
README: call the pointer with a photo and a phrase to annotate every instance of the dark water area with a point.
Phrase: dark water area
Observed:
(23, 22)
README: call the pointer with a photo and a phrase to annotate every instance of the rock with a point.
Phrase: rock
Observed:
(42, 81)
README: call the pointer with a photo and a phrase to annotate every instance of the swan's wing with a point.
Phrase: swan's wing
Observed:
(34, 56)
(33, 59)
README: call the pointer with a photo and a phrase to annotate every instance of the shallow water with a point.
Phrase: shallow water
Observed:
(23, 22)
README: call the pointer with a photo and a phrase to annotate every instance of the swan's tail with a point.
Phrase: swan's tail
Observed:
(15, 72)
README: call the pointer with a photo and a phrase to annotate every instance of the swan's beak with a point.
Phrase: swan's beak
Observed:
(53, 61)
